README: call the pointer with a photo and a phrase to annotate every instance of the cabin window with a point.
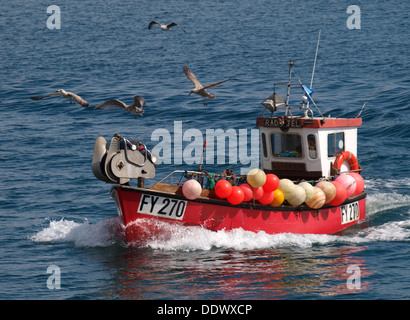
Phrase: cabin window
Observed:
(286, 145)
(335, 143)
(311, 139)
(264, 148)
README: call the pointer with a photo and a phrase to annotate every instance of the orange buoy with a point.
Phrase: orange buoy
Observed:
(278, 198)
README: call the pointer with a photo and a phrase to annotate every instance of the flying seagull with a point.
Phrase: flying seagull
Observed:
(199, 88)
(135, 107)
(66, 94)
(165, 27)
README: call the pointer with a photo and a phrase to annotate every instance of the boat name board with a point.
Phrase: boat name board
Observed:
(282, 122)
(162, 206)
(350, 212)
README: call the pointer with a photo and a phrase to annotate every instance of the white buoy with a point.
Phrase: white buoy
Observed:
(308, 190)
(191, 189)
(256, 178)
(297, 196)
(286, 186)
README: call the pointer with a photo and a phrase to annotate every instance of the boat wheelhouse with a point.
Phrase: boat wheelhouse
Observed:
(306, 148)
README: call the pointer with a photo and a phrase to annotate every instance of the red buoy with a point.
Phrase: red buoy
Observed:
(247, 191)
(223, 189)
(340, 196)
(267, 197)
(236, 196)
(272, 182)
(258, 192)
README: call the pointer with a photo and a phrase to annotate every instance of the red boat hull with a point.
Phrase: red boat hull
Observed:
(140, 208)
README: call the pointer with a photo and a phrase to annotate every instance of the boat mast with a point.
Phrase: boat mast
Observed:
(314, 64)
(291, 64)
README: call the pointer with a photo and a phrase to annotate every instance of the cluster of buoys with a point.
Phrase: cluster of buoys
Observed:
(324, 192)
(263, 185)
(258, 186)
(269, 189)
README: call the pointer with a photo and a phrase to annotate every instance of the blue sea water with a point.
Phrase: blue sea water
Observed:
(54, 212)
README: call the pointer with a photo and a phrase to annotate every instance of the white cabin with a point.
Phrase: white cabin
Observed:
(305, 148)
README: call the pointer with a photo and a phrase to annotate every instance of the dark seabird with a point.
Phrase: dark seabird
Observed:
(135, 107)
(66, 94)
(199, 88)
(165, 27)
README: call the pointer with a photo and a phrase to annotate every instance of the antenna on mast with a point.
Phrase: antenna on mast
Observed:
(314, 64)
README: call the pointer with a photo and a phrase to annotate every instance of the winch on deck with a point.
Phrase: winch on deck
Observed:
(122, 161)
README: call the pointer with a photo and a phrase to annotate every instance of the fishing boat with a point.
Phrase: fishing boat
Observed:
(316, 152)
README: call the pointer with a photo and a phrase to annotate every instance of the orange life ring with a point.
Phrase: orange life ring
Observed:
(346, 156)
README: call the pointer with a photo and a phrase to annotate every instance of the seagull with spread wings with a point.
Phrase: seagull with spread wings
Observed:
(165, 27)
(199, 88)
(135, 107)
(66, 94)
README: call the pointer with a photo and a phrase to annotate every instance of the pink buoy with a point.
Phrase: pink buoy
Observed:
(236, 196)
(191, 189)
(359, 182)
(247, 191)
(349, 183)
(223, 189)
(340, 194)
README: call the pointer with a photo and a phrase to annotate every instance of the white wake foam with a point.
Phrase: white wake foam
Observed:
(191, 238)
(391, 206)
(389, 231)
(101, 234)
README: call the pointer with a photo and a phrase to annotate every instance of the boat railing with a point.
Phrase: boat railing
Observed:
(270, 105)
(198, 175)
(203, 177)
